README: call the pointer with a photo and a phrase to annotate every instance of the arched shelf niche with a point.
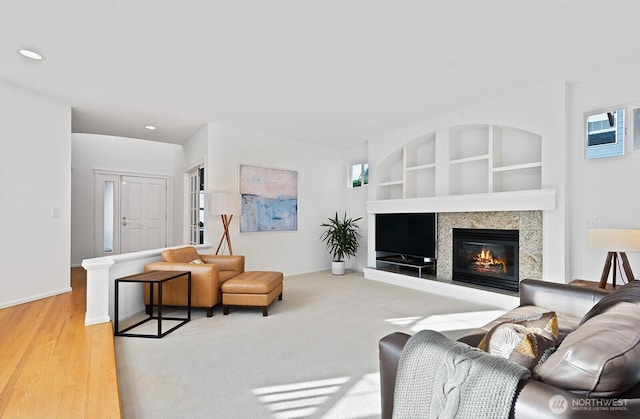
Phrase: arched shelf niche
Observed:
(465, 159)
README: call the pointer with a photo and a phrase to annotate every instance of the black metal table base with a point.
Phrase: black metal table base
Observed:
(151, 278)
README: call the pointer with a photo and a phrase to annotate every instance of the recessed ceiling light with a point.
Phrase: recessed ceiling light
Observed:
(150, 127)
(30, 54)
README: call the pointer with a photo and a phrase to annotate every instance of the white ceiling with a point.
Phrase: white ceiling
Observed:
(333, 72)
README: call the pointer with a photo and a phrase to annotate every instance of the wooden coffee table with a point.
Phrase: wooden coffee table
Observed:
(592, 284)
(152, 278)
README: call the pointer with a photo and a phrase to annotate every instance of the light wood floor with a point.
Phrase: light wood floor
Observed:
(51, 365)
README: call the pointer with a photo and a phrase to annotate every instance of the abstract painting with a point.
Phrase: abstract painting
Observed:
(269, 199)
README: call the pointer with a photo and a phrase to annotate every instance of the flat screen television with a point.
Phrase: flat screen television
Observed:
(411, 234)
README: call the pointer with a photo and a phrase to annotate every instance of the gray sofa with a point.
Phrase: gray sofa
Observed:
(595, 368)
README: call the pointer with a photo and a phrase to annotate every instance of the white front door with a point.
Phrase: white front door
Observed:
(143, 213)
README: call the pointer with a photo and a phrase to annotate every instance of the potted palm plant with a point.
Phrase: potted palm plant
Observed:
(341, 237)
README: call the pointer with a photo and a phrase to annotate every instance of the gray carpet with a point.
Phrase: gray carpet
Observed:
(314, 356)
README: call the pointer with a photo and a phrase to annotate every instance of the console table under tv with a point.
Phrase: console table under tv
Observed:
(411, 261)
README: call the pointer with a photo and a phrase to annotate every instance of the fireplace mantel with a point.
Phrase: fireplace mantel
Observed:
(539, 199)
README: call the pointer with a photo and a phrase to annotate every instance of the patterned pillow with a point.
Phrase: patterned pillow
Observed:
(526, 341)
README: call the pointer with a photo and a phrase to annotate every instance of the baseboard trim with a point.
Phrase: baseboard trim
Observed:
(474, 295)
(34, 298)
(96, 320)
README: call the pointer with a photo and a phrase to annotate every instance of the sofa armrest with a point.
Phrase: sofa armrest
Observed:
(226, 262)
(208, 274)
(194, 268)
(535, 400)
(532, 401)
(568, 299)
(205, 285)
(390, 349)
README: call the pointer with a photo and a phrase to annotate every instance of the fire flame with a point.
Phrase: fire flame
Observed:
(485, 260)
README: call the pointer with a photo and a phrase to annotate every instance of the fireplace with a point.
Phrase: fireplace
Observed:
(486, 257)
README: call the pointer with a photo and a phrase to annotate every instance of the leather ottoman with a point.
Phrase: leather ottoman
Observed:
(252, 289)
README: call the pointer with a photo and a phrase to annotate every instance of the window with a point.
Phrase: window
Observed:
(108, 224)
(359, 175)
(196, 206)
(601, 129)
(605, 134)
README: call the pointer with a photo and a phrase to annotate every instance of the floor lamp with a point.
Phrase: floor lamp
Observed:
(616, 242)
(225, 204)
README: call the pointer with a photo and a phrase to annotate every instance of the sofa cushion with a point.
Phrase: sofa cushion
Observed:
(629, 292)
(180, 255)
(601, 357)
(526, 341)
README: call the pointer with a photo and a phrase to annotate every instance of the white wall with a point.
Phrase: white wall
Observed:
(355, 201)
(320, 193)
(603, 191)
(127, 155)
(195, 151)
(538, 109)
(35, 179)
(195, 148)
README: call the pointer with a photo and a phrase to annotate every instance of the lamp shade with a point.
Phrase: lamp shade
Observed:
(224, 203)
(614, 240)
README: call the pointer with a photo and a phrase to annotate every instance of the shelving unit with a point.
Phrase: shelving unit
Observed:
(466, 159)
(421, 152)
(391, 190)
(420, 166)
(420, 181)
(469, 159)
(517, 160)
(391, 169)
(468, 176)
(391, 175)
(468, 142)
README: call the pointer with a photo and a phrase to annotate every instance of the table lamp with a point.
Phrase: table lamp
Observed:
(616, 242)
(225, 204)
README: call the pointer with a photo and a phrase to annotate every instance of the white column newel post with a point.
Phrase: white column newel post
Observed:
(97, 289)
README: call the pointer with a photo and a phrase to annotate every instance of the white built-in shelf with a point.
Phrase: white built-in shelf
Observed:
(517, 167)
(461, 160)
(424, 166)
(469, 159)
(390, 183)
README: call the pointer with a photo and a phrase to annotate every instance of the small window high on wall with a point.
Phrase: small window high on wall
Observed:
(359, 175)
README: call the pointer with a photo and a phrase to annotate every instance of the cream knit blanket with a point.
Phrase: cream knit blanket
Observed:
(441, 378)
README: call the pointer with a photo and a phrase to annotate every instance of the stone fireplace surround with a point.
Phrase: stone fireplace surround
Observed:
(529, 223)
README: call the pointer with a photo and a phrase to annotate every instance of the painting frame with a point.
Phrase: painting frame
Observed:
(269, 199)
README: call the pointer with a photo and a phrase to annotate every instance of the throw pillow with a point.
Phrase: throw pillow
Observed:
(197, 261)
(526, 341)
(601, 358)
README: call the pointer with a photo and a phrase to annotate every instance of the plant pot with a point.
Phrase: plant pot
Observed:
(337, 268)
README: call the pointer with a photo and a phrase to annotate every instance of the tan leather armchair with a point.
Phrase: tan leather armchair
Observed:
(208, 273)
